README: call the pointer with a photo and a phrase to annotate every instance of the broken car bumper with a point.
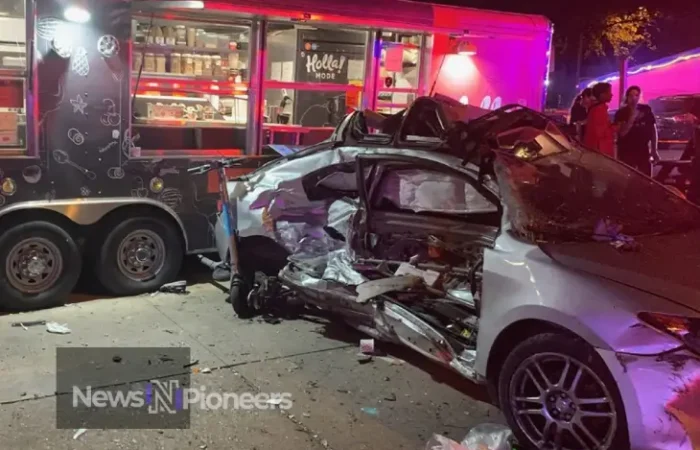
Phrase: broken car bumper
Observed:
(661, 395)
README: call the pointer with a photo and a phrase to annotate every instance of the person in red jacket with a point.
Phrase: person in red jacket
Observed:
(600, 132)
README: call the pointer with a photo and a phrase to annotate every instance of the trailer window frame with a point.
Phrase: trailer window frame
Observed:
(24, 75)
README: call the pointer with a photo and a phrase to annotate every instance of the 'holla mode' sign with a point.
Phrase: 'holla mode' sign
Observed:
(325, 67)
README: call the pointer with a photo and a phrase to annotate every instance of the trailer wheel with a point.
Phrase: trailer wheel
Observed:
(139, 255)
(41, 264)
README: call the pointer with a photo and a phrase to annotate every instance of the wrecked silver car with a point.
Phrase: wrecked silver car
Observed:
(563, 280)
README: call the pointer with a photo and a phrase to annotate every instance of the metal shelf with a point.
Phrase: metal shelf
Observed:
(158, 48)
(185, 123)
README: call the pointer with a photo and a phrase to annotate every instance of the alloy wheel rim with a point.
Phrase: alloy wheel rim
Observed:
(34, 265)
(560, 403)
(141, 255)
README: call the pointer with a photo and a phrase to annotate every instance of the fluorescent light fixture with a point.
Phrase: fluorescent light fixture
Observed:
(179, 4)
(76, 14)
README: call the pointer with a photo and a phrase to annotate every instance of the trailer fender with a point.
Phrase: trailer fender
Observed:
(83, 211)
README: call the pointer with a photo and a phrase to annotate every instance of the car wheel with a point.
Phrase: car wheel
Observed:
(557, 393)
(239, 293)
(41, 265)
(139, 255)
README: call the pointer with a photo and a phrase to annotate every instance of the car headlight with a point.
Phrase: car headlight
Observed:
(685, 329)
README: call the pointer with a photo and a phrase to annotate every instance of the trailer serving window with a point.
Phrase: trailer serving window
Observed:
(190, 78)
(314, 76)
(13, 76)
(400, 72)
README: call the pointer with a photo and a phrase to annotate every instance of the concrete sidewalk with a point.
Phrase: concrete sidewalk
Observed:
(338, 403)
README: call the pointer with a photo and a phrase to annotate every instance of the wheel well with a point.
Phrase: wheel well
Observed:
(31, 214)
(514, 334)
(265, 250)
(129, 211)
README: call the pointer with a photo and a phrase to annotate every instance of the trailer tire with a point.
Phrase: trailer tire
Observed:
(31, 248)
(139, 255)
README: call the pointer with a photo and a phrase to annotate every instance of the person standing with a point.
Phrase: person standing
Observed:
(579, 111)
(600, 132)
(637, 142)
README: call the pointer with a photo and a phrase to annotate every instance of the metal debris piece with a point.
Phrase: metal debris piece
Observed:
(391, 397)
(79, 433)
(32, 323)
(370, 289)
(176, 287)
(57, 328)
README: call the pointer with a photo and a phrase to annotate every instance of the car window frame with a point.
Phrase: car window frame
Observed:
(374, 179)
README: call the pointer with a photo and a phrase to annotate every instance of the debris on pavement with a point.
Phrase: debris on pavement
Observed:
(391, 397)
(57, 328)
(364, 359)
(487, 436)
(79, 433)
(193, 363)
(370, 411)
(32, 323)
(367, 346)
(275, 401)
(206, 370)
(176, 287)
(117, 358)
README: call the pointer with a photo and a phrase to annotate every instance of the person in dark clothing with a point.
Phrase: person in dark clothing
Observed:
(637, 142)
(579, 111)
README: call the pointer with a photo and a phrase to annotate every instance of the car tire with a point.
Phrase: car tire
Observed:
(238, 295)
(40, 266)
(552, 401)
(138, 255)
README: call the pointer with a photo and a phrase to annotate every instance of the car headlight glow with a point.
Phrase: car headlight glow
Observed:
(685, 329)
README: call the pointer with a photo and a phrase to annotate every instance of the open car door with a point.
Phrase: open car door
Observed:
(424, 213)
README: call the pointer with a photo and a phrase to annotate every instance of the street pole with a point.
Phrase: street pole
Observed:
(623, 79)
(579, 60)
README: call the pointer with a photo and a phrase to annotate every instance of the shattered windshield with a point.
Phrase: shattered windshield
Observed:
(556, 190)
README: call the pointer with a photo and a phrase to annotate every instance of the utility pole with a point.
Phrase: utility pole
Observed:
(623, 79)
(579, 60)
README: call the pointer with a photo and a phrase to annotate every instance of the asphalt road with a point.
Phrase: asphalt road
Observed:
(338, 402)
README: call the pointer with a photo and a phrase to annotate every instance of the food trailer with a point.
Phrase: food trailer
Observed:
(106, 103)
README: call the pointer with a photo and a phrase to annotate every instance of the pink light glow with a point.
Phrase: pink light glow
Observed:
(680, 77)
(510, 70)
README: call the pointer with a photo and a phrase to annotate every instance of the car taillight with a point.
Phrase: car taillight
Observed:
(685, 329)
(684, 118)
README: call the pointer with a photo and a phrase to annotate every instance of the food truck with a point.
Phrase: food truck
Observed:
(107, 103)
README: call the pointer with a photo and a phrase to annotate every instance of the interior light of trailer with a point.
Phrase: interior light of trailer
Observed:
(464, 100)
(76, 14)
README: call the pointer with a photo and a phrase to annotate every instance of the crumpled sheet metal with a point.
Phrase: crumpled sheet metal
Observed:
(666, 414)
(375, 288)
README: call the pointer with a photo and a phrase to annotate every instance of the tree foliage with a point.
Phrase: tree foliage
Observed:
(624, 32)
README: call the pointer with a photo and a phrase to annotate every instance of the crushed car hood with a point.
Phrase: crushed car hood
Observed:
(666, 265)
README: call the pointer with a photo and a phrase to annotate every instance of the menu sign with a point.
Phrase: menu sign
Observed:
(324, 56)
